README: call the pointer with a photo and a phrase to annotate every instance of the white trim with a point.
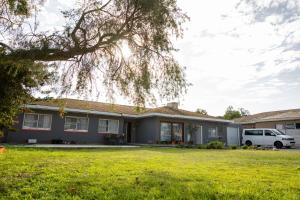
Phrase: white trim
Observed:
(77, 130)
(127, 115)
(269, 120)
(36, 128)
(201, 135)
(108, 126)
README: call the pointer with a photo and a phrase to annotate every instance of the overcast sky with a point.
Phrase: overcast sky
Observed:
(240, 54)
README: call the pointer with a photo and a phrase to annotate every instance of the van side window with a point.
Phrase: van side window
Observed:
(254, 132)
(269, 133)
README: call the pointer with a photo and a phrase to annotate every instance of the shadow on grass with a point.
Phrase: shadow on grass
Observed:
(147, 184)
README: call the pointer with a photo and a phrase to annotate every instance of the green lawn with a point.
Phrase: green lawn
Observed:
(149, 173)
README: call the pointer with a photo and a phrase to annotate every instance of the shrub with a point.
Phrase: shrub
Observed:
(215, 145)
(245, 147)
(233, 147)
(180, 146)
(201, 146)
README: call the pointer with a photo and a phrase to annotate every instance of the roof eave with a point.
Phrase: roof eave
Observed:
(143, 115)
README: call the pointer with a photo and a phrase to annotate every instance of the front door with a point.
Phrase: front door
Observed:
(233, 136)
(269, 138)
(128, 132)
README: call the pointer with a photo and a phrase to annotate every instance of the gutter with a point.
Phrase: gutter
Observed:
(269, 120)
(144, 115)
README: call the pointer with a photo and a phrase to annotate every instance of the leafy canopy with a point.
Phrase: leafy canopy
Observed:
(231, 113)
(88, 50)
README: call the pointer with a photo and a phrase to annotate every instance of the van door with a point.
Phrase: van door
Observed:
(255, 136)
(269, 137)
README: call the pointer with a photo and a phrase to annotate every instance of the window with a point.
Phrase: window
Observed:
(165, 132)
(254, 132)
(290, 126)
(171, 132)
(269, 133)
(37, 121)
(108, 126)
(213, 132)
(279, 126)
(76, 124)
(297, 125)
(177, 132)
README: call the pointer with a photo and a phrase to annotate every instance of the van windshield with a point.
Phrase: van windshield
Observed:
(278, 132)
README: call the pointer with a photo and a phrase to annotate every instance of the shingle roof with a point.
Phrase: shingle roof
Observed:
(270, 116)
(116, 108)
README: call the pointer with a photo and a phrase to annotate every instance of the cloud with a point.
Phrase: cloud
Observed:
(243, 53)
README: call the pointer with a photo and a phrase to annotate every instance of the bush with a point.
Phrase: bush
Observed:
(233, 147)
(215, 145)
(244, 147)
(201, 146)
(180, 146)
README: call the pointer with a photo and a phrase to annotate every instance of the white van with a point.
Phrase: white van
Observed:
(267, 137)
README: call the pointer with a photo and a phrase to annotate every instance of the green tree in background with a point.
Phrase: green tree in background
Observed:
(201, 111)
(231, 113)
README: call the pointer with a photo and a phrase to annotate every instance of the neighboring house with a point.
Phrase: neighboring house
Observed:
(288, 121)
(96, 123)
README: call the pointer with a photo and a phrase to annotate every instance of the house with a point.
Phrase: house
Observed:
(88, 122)
(287, 121)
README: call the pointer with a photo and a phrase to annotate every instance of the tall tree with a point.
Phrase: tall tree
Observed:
(231, 113)
(91, 46)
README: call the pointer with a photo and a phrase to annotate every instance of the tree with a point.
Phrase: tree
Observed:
(231, 113)
(91, 46)
(244, 112)
(201, 111)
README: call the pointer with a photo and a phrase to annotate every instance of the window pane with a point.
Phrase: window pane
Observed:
(269, 133)
(70, 123)
(254, 132)
(44, 121)
(297, 125)
(102, 126)
(76, 123)
(290, 126)
(113, 126)
(82, 124)
(165, 132)
(177, 132)
(31, 120)
(212, 132)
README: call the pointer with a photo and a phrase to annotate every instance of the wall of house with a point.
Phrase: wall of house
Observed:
(57, 130)
(152, 128)
(147, 131)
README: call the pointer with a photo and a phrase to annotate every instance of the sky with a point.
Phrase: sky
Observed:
(244, 54)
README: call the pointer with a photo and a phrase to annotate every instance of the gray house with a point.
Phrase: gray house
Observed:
(87, 122)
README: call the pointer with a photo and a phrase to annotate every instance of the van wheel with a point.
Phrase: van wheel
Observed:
(278, 145)
(248, 143)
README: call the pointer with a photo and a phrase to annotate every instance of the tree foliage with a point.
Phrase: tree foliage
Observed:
(231, 113)
(201, 111)
(89, 48)
(17, 83)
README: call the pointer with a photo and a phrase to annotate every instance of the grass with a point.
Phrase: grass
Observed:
(149, 173)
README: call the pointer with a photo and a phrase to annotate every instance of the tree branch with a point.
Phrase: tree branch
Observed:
(6, 46)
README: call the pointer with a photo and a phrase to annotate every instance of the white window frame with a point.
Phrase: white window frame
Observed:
(102, 119)
(77, 130)
(36, 128)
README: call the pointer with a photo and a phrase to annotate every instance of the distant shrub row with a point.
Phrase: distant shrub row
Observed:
(214, 145)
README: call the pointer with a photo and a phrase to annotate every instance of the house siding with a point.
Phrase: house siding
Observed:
(144, 131)
(57, 130)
